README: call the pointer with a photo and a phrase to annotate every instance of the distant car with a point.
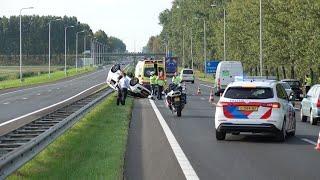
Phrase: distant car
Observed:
(135, 89)
(256, 107)
(288, 89)
(296, 87)
(310, 105)
(187, 75)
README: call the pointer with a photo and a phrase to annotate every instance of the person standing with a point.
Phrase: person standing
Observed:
(161, 82)
(124, 85)
(153, 83)
(119, 90)
(308, 83)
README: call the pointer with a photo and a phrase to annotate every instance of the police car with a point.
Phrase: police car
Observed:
(255, 106)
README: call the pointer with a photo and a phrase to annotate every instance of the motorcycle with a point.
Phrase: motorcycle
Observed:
(176, 98)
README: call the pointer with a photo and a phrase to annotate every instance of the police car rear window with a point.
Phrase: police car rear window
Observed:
(249, 93)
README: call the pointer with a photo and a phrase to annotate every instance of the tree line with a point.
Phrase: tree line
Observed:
(35, 36)
(290, 33)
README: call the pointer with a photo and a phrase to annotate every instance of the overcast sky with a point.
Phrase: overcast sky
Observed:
(129, 20)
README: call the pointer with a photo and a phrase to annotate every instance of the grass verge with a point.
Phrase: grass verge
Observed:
(93, 149)
(43, 78)
(206, 78)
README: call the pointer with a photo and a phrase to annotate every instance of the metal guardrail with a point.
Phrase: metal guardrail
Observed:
(22, 144)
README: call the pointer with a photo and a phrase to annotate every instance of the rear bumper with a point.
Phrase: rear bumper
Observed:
(256, 128)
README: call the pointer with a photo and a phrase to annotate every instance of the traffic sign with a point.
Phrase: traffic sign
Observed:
(212, 66)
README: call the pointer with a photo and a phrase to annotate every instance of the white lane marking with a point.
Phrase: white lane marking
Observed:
(49, 90)
(309, 141)
(202, 98)
(48, 85)
(34, 112)
(6, 103)
(206, 85)
(24, 98)
(185, 165)
(57, 88)
(38, 94)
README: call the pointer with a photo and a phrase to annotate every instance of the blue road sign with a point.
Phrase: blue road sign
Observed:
(212, 66)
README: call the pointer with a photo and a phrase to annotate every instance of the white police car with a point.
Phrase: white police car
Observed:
(255, 106)
(135, 89)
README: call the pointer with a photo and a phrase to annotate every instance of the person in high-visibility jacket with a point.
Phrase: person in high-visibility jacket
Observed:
(153, 83)
(161, 81)
(308, 82)
(176, 79)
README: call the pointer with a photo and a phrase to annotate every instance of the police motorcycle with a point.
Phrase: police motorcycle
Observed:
(176, 98)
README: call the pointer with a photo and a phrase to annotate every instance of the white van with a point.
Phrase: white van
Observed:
(226, 73)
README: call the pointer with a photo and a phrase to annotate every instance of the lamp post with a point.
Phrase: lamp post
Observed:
(77, 34)
(21, 42)
(65, 48)
(224, 32)
(261, 55)
(59, 19)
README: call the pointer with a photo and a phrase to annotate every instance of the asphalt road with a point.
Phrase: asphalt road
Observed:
(20, 102)
(149, 155)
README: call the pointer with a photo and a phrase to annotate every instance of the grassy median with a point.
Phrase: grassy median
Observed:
(93, 149)
(42, 78)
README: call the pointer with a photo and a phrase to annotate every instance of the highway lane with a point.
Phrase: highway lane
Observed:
(17, 103)
(239, 157)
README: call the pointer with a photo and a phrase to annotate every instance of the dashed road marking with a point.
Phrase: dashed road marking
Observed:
(6, 103)
(183, 161)
(38, 94)
(309, 141)
(24, 98)
(203, 98)
(206, 85)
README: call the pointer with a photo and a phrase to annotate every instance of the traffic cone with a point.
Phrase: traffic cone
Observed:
(318, 144)
(211, 97)
(199, 91)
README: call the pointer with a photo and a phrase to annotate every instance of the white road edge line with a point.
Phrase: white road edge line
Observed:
(309, 141)
(183, 161)
(206, 85)
(18, 118)
(48, 85)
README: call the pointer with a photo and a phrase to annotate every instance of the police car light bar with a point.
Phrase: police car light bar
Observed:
(255, 78)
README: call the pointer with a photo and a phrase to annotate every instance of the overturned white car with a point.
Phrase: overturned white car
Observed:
(135, 89)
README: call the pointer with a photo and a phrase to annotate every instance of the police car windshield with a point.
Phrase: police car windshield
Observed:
(249, 93)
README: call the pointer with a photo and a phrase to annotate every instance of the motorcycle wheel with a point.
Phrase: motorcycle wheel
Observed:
(179, 110)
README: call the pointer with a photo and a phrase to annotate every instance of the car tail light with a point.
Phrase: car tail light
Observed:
(221, 104)
(274, 105)
(318, 103)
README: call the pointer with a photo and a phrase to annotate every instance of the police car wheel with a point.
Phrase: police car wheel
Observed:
(313, 120)
(281, 135)
(134, 81)
(220, 135)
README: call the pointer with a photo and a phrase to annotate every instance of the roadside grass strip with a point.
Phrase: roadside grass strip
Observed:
(43, 78)
(94, 148)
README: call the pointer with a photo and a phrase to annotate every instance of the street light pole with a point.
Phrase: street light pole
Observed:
(224, 35)
(191, 50)
(65, 49)
(183, 58)
(77, 35)
(205, 46)
(21, 43)
(261, 65)
(59, 19)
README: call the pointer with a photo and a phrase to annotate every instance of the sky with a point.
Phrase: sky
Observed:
(133, 21)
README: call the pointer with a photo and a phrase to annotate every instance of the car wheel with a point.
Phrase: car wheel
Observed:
(313, 120)
(115, 68)
(220, 135)
(293, 132)
(281, 135)
(134, 81)
(303, 117)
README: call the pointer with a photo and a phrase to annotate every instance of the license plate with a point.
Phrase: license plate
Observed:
(176, 99)
(248, 108)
